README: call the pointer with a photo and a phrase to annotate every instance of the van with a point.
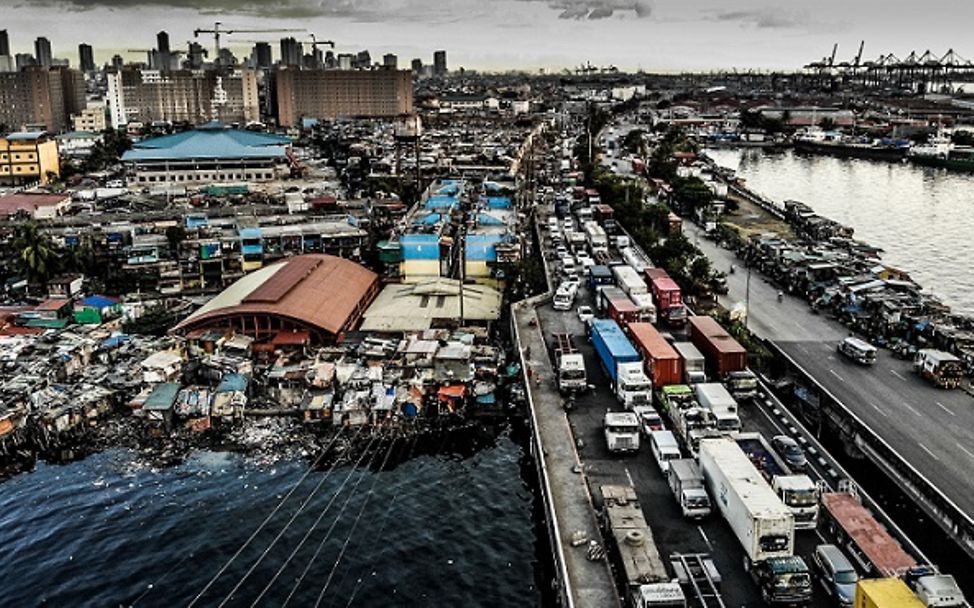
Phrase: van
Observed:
(568, 264)
(835, 573)
(858, 350)
(665, 448)
(564, 298)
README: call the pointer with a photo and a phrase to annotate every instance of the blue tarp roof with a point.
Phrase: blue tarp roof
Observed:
(429, 219)
(209, 141)
(249, 233)
(440, 202)
(499, 202)
(232, 382)
(482, 247)
(420, 246)
(489, 220)
(115, 341)
(99, 302)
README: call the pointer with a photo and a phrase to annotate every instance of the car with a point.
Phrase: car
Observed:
(585, 314)
(790, 450)
(561, 251)
(836, 573)
(649, 419)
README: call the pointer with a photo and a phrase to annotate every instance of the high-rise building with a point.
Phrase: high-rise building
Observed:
(23, 60)
(262, 55)
(117, 62)
(164, 57)
(417, 67)
(86, 58)
(183, 96)
(439, 63)
(195, 56)
(4, 43)
(290, 51)
(334, 93)
(390, 61)
(42, 52)
(345, 61)
(363, 60)
(162, 42)
(35, 98)
(330, 62)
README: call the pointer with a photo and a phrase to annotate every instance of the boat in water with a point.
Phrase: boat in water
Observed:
(817, 141)
(942, 152)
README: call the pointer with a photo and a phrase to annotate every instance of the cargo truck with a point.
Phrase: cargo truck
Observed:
(723, 355)
(570, 365)
(599, 275)
(595, 234)
(619, 307)
(798, 492)
(885, 593)
(621, 432)
(622, 363)
(694, 368)
(690, 422)
(662, 362)
(715, 398)
(644, 303)
(647, 584)
(686, 482)
(628, 279)
(944, 370)
(763, 525)
(667, 296)
(935, 590)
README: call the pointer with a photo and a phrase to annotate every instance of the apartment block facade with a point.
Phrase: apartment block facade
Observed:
(329, 94)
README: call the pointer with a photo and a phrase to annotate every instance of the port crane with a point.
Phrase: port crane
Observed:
(217, 31)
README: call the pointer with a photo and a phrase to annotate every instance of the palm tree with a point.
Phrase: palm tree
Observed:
(36, 253)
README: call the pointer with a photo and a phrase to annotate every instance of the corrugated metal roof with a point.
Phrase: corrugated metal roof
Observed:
(163, 397)
(209, 143)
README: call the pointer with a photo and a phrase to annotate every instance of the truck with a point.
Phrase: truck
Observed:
(628, 279)
(621, 432)
(686, 482)
(934, 589)
(644, 303)
(714, 397)
(942, 369)
(622, 363)
(595, 234)
(694, 370)
(643, 571)
(605, 215)
(662, 362)
(633, 257)
(667, 296)
(618, 306)
(798, 492)
(725, 358)
(599, 275)
(564, 297)
(763, 525)
(690, 422)
(570, 365)
(885, 593)
(864, 539)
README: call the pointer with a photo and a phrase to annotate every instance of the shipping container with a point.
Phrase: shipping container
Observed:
(612, 346)
(723, 353)
(618, 306)
(663, 363)
(885, 593)
(628, 279)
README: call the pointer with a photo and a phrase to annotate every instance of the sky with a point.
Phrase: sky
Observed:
(653, 35)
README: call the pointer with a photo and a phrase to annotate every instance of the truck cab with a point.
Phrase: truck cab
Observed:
(800, 494)
(661, 595)
(783, 580)
(564, 297)
(633, 386)
(571, 373)
(621, 432)
(686, 483)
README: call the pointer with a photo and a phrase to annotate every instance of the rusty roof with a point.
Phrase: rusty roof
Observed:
(320, 291)
(881, 549)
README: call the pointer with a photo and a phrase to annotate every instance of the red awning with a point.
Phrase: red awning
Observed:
(456, 391)
(291, 338)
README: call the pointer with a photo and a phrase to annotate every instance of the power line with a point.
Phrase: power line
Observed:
(321, 515)
(294, 516)
(321, 544)
(251, 538)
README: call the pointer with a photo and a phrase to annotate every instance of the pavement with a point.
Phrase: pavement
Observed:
(931, 428)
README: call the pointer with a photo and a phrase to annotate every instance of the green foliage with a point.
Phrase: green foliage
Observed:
(692, 193)
(154, 322)
(108, 151)
(634, 142)
(38, 257)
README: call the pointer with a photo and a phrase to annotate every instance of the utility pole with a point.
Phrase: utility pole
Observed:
(747, 293)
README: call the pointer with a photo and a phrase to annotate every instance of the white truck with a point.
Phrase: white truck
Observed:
(597, 239)
(763, 525)
(693, 362)
(570, 364)
(564, 297)
(633, 386)
(629, 280)
(686, 482)
(798, 492)
(621, 432)
(647, 310)
(714, 397)
(644, 572)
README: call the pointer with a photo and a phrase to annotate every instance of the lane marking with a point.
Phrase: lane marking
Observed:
(832, 371)
(705, 539)
(912, 409)
(965, 450)
(629, 477)
(878, 409)
(927, 450)
(897, 374)
(944, 408)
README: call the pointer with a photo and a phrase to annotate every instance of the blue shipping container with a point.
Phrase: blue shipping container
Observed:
(612, 345)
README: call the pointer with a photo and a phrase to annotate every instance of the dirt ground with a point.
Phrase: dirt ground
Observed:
(750, 219)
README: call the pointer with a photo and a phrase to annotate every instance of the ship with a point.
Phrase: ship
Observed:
(941, 152)
(816, 141)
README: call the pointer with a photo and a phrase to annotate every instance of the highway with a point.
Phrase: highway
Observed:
(932, 429)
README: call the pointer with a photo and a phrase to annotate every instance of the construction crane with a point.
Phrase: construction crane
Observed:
(859, 54)
(217, 32)
(314, 42)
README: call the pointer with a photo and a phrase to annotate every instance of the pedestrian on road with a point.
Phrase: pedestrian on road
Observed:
(537, 379)
(530, 373)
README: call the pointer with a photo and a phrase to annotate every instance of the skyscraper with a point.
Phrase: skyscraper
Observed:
(42, 52)
(86, 58)
(262, 55)
(439, 63)
(417, 66)
(4, 43)
(290, 51)
(164, 57)
(162, 42)
(196, 55)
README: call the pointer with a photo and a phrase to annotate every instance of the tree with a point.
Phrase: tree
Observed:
(635, 143)
(36, 253)
(699, 274)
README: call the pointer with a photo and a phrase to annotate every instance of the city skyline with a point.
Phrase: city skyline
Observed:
(631, 34)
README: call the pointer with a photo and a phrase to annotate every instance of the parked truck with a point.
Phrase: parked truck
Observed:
(798, 492)
(595, 234)
(686, 482)
(721, 404)
(885, 593)
(662, 362)
(618, 306)
(621, 432)
(622, 363)
(763, 525)
(690, 422)
(628, 279)
(944, 370)
(667, 296)
(570, 364)
(725, 358)
(647, 583)
(644, 303)
(694, 368)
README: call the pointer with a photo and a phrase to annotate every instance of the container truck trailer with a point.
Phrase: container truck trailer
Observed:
(622, 363)
(667, 296)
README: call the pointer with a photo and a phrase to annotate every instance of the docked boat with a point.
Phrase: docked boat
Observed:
(943, 153)
(816, 141)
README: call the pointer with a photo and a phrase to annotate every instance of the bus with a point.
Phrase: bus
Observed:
(860, 351)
